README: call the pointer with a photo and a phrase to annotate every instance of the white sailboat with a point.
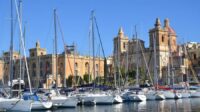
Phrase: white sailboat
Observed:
(135, 96)
(155, 94)
(15, 104)
(98, 97)
(63, 101)
(58, 99)
(171, 94)
(12, 103)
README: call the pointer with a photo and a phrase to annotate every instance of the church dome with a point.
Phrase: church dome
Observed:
(168, 28)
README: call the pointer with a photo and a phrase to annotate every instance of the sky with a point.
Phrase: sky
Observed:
(74, 18)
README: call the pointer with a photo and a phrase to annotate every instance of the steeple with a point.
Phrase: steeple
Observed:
(166, 22)
(37, 44)
(120, 31)
(157, 24)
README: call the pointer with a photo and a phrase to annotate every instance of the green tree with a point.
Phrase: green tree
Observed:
(86, 77)
(69, 80)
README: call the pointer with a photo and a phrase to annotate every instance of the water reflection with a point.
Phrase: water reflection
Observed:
(180, 105)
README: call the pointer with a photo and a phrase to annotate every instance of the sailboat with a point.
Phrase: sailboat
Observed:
(58, 99)
(136, 95)
(154, 93)
(171, 94)
(15, 103)
(97, 97)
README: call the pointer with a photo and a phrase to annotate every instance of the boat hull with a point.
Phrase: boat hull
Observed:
(15, 104)
(38, 105)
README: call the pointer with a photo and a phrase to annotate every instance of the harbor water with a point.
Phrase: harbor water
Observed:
(179, 105)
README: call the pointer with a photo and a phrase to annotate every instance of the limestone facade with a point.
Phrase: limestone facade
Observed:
(133, 51)
(42, 67)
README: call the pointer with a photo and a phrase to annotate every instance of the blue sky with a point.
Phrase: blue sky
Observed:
(111, 14)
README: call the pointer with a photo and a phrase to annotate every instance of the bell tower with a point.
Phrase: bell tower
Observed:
(160, 35)
(37, 51)
(120, 42)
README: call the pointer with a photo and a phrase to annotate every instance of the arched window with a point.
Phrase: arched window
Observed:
(163, 39)
(97, 69)
(76, 69)
(87, 68)
(47, 67)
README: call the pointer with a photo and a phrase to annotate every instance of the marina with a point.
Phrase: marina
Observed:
(161, 76)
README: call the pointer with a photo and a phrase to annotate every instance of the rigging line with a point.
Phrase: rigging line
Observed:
(148, 72)
(65, 46)
(190, 58)
(95, 21)
(62, 34)
(49, 30)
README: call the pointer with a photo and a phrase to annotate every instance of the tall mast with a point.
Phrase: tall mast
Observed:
(55, 42)
(155, 62)
(22, 43)
(11, 46)
(90, 29)
(171, 61)
(20, 63)
(93, 47)
(137, 61)
(118, 61)
(75, 66)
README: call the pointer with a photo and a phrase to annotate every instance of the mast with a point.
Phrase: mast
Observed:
(75, 73)
(155, 62)
(11, 46)
(20, 63)
(171, 62)
(23, 47)
(137, 61)
(127, 65)
(101, 45)
(65, 65)
(98, 75)
(90, 29)
(93, 47)
(118, 61)
(55, 42)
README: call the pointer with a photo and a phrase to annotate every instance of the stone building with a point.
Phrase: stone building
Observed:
(42, 66)
(193, 51)
(1, 69)
(133, 51)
